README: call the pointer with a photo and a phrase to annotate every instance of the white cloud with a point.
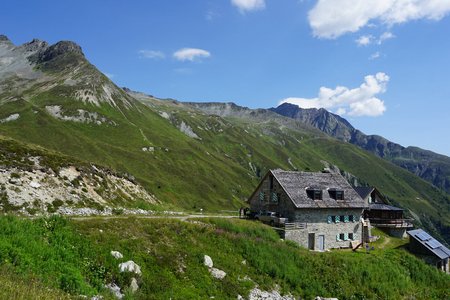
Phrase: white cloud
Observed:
(385, 36)
(360, 101)
(333, 18)
(249, 5)
(152, 54)
(375, 55)
(191, 54)
(364, 40)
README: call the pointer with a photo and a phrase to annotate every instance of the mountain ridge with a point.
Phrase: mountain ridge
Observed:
(427, 164)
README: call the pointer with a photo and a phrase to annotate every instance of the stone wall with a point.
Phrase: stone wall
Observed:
(317, 223)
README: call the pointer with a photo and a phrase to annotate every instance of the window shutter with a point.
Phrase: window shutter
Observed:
(337, 219)
(261, 196)
(329, 219)
(274, 197)
(337, 238)
(355, 218)
(345, 236)
(345, 219)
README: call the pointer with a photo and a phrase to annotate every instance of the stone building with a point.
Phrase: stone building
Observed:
(322, 209)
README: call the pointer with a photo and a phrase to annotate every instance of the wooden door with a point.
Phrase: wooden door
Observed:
(321, 242)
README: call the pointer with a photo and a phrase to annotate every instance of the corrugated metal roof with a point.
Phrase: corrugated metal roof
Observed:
(296, 184)
(382, 206)
(433, 245)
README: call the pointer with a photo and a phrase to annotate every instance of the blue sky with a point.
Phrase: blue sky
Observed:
(384, 65)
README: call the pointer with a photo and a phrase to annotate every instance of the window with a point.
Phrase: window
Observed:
(342, 218)
(314, 194)
(350, 236)
(336, 194)
(271, 182)
(342, 236)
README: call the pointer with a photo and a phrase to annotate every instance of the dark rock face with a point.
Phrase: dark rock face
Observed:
(430, 166)
(58, 49)
(4, 38)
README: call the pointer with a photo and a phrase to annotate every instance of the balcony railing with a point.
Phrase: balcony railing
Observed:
(392, 223)
(295, 225)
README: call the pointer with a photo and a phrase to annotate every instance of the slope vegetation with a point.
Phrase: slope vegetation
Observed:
(189, 156)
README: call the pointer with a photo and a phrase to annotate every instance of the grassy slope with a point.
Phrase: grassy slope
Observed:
(74, 257)
(217, 172)
(212, 173)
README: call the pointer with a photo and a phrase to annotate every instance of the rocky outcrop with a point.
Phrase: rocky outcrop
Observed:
(60, 48)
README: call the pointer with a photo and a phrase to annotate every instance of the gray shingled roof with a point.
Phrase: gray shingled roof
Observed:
(296, 183)
(364, 191)
(430, 243)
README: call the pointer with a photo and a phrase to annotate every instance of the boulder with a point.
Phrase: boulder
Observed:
(35, 184)
(207, 261)
(130, 266)
(134, 285)
(116, 254)
(115, 289)
(216, 273)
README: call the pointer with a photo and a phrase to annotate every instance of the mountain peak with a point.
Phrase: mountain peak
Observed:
(4, 38)
(58, 49)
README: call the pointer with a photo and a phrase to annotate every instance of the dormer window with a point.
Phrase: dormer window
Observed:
(336, 194)
(314, 194)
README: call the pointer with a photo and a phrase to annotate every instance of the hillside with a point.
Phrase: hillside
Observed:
(186, 156)
(433, 167)
(64, 259)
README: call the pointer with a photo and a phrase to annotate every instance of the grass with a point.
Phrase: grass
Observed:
(62, 258)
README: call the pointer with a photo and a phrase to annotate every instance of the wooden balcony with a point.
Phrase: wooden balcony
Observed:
(391, 223)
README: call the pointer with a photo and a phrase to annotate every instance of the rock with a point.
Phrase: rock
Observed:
(207, 261)
(239, 297)
(35, 184)
(257, 294)
(134, 285)
(130, 266)
(115, 289)
(58, 49)
(322, 298)
(244, 262)
(116, 254)
(216, 273)
(15, 181)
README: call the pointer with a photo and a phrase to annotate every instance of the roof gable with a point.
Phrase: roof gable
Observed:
(364, 191)
(295, 184)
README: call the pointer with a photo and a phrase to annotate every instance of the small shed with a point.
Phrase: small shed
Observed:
(431, 250)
